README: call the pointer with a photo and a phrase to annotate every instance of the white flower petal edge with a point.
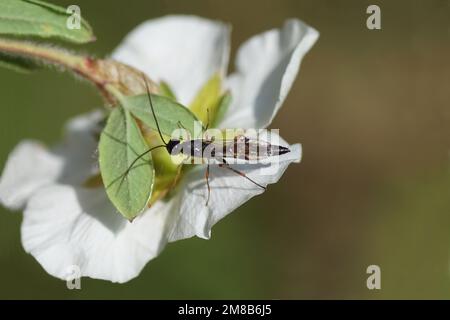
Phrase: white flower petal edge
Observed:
(184, 51)
(65, 226)
(78, 147)
(31, 165)
(266, 65)
(228, 192)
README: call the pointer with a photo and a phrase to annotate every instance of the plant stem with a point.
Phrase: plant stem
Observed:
(76, 63)
(104, 74)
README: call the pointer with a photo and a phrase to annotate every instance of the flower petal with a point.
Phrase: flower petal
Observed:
(184, 51)
(65, 227)
(31, 165)
(228, 192)
(266, 65)
(78, 148)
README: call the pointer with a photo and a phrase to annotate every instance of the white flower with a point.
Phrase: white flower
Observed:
(68, 224)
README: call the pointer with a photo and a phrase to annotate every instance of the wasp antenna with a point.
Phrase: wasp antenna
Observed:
(125, 174)
(153, 110)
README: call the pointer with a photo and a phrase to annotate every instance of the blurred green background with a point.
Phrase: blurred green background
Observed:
(371, 109)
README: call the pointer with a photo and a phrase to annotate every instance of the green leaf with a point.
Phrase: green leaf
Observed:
(170, 114)
(222, 108)
(35, 18)
(121, 142)
(17, 63)
(207, 100)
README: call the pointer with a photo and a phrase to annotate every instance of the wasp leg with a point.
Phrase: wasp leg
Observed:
(180, 126)
(227, 166)
(207, 183)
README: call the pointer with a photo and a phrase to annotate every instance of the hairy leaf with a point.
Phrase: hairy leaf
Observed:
(128, 182)
(170, 114)
(35, 18)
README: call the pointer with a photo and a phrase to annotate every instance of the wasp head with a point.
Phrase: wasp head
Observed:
(171, 145)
